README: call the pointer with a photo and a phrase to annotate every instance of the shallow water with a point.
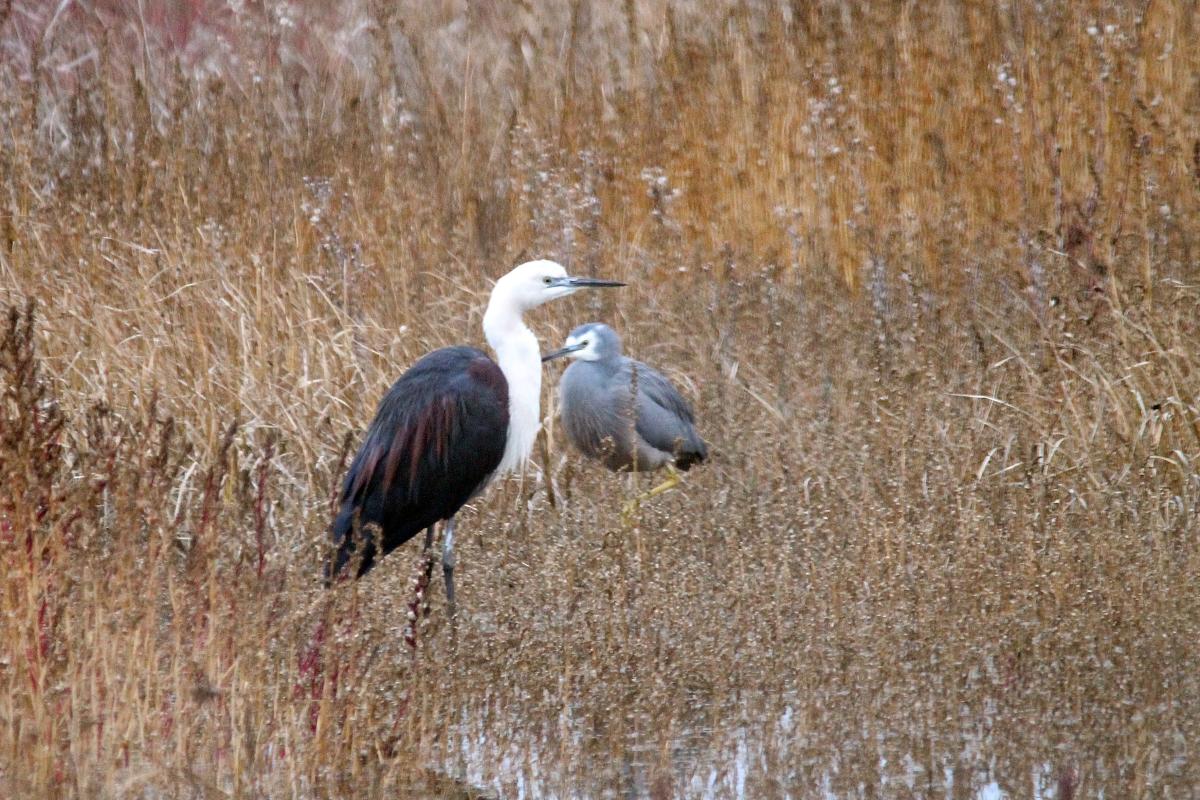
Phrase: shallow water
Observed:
(773, 759)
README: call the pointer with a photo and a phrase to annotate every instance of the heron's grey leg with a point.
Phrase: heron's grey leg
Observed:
(427, 568)
(448, 563)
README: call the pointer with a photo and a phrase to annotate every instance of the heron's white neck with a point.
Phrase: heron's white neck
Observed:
(520, 360)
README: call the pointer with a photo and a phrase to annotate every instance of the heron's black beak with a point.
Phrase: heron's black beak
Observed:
(565, 350)
(574, 282)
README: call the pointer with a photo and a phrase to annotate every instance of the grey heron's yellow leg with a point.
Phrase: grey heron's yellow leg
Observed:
(673, 480)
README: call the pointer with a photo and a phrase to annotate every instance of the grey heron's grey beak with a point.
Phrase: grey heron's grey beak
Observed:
(574, 282)
(563, 351)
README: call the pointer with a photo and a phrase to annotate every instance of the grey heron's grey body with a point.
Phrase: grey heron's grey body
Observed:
(620, 411)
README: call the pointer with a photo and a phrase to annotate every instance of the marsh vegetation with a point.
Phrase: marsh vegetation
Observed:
(928, 271)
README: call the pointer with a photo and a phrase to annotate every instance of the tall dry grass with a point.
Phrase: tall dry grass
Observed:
(929, 271)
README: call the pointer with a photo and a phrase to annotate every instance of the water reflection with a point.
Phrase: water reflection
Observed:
(777, 758)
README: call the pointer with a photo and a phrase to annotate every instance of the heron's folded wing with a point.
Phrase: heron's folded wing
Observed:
(437, 436)
(664, 417)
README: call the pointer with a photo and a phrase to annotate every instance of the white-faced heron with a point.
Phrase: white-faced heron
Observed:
(623, 412)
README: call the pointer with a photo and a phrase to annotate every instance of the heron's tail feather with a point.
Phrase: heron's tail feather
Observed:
(349, 538)
(691, 453)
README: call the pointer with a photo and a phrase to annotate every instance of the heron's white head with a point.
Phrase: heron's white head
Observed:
(594, 341)
(517, 351)
(536, 282)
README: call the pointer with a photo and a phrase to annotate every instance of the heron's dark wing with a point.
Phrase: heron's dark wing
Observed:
(437, 437)
(664, 417)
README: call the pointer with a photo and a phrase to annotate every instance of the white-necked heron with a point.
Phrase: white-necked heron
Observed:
(452, 422)
(623, 412)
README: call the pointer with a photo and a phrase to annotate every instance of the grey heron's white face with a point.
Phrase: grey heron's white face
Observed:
(537, 282)
(587, 342)
(593, 341)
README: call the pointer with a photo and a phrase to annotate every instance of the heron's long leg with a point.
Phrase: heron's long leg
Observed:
(673, 480)
(427, 567)
(448, 561)
(418, 605)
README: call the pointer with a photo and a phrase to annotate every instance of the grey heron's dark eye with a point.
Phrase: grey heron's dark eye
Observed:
(547, 280)
(584, 343)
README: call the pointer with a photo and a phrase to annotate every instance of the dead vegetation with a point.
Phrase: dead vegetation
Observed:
(928, 271)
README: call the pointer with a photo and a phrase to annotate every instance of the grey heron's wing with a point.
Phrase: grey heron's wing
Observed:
(657, 388)
(664, 417)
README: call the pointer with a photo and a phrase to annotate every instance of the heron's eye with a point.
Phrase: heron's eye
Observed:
(584, 343)
(547, 280)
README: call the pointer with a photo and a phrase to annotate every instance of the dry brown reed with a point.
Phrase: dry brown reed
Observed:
(929, 271)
